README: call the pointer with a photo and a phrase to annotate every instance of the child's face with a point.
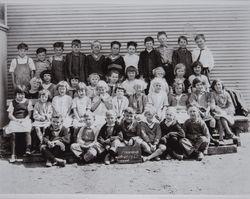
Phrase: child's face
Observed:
(76, 48)
(74, 82)
(149, 116)
(119, 92)
(58, 51)
(22, 52)
(149, 45)
(81, 93)
(20, 96)
(178, 89)
(138, 89)
(110, 119)
(197, 70)
(101, 90)
(62, 90)
(131, 75)
(131, 50)
(193, 113)
(200, 43)
(199, 87)
(35, 85)
(128, 117)
(114, 78)
(218, 87)
(94, 80)
(47, 78)
(162, 39)
(180, 72)
(89, 120)
(157, 87)
(159, 73)
(41, 56)
(183, 43)
(44, 98)
(96, 48)
(56, 123)
(115, 49)
(169, 116)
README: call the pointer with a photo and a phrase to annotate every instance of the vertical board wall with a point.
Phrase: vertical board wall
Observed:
(226, 27)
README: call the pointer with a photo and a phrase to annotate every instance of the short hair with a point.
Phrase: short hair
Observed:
(200, 36)
(120, 88)
(110, 113)
(44, 73)
(94, 75)
(147, 39)
(193, 107)
(129, 110)
(95, 42)
(179, 66)
(182, 37)
(161, 33)
(115, 42)
(131, 43)
(157, 80)
(63, 84)
(58, 45)
(21, 89)
(196, 81)
(113, 71)
(41, 50)
(44, 92)
(76, 42)
(81, 86)
(22, 46)
(74, 77)
(171, 110)
(161, 69)
(131, 69)
(57, 116)
(197, 63)
(215, 82)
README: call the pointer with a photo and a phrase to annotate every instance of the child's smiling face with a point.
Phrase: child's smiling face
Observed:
(35, 85)
(131, 50)
(114, 77)
(199, 87)
(149, 116)
(200, 43)
(115, 49)
(89, 120)
(162, 39)
(128, 117)
(44, 98)
(81, 93)
(178, 89)
(41, 56)
(218, 87)
(197, 70)
(131, 75)
(101, 90)
(119, 92)
(22, 52)
(169, 115)
(20, 97)
(74, 82)
(56, 123)
(110, 119)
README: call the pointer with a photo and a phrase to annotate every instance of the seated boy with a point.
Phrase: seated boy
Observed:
(110, 136)
(86, 147)
(55, 140)
(197, 135)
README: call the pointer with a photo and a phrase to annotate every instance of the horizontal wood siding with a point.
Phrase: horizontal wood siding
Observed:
(226, 27)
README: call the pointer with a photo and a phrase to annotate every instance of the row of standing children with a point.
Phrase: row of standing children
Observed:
(97, 91)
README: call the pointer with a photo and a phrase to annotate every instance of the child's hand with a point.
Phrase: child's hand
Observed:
(107, 141)
(130, 142)
(153, 148)
(51, 144)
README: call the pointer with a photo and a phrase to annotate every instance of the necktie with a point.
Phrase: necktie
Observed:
(198, 59)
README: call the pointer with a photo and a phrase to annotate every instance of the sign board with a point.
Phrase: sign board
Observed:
(129, 155)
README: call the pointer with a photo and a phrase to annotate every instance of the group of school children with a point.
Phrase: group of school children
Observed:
(161, 101)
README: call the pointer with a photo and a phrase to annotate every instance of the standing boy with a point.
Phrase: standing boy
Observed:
(75, 62)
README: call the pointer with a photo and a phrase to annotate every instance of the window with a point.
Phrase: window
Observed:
(3, 14)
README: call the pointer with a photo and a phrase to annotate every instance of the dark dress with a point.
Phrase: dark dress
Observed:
(95, 65)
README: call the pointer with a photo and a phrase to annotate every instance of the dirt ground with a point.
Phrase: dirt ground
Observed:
(218, 174)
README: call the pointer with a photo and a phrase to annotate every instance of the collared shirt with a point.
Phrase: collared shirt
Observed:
(131, 60)
(166, 53)
(206, 57)
(21, 60)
